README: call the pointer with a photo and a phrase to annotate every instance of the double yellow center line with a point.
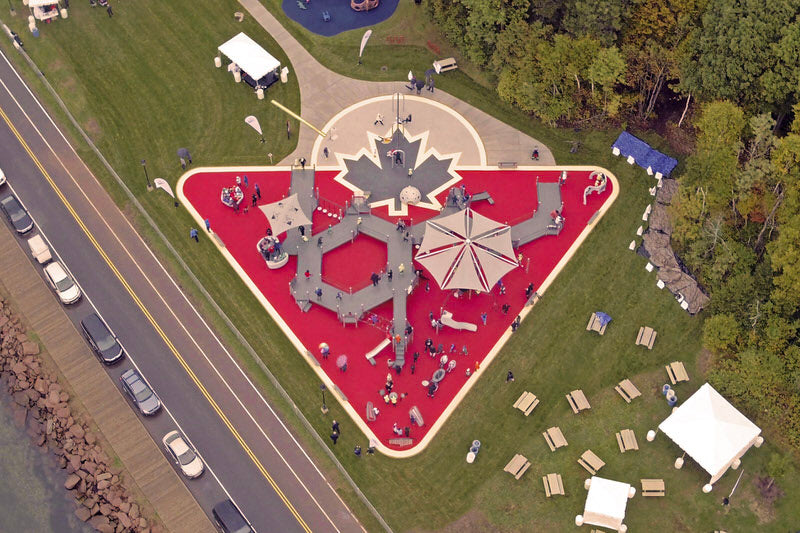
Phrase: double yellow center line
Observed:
(155, 325)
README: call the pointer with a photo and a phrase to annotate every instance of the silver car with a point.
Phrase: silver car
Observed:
(140, 393)
(184, 456)
(61, 282)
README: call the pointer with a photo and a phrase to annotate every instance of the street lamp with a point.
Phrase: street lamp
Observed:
(11, 9)
(146, 177)
(324, 409)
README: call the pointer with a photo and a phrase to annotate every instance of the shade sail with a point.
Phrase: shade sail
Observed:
(711, 430)
(467, 250)
(606, 503)
(285, 214)
(249, 55)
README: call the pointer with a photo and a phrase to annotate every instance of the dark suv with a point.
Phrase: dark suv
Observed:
(101, 339)
(229, 518)
(16, 214)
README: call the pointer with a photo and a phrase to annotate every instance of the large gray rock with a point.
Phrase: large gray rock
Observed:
(667, 190)
(83, 513)
(659, 219)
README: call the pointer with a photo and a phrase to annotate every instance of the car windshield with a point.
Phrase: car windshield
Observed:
(186, 457)
(140, 391)
(15, 213)
(64, 284)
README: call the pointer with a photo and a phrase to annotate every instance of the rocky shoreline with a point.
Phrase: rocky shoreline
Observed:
(41, 405)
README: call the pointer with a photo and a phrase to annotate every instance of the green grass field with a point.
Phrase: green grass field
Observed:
(143, 84)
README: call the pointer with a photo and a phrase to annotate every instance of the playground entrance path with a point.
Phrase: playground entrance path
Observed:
(324, 94)
(514, 195)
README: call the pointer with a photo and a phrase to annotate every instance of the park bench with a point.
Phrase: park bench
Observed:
(443, 65)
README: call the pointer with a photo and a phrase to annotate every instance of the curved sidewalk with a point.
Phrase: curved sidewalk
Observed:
(323, 93)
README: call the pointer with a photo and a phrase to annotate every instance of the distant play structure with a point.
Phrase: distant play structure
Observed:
(599, 186)
(364, 5)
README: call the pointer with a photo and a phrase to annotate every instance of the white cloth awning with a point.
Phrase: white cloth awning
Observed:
(249, 55)
(711, 430)
(285, 214)
(40, 3)
(606, 503)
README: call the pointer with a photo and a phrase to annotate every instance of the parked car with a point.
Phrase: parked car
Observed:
(230, 519)
(39, 249)
(183, 454)
(2, 177)
(16, 214)
(101, 339)
(61, 282)
(140, 393)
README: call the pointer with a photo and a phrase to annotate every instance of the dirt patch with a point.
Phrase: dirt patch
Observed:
(470, 522)
(704, 362)
(92, 127)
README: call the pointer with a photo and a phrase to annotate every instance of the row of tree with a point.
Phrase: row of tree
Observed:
(566, 61)
(737, 214)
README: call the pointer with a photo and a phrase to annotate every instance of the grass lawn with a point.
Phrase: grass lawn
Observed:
(143, 84)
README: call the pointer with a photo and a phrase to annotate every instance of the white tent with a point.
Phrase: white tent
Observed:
(606, 503)
(712, 431)
(285, 214)
(250, 57)
(40, 3)
(467, 250)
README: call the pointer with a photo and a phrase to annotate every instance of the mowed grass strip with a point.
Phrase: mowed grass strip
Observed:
(154, 89)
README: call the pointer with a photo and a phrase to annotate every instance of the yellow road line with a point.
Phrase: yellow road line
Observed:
(155, 325)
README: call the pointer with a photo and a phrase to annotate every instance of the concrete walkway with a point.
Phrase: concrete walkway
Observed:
(115, 419)
(324, 93)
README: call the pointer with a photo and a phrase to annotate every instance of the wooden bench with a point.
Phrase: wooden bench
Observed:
(554, 438)
(526, 403)
(646, 337)
(517, 466)
(627, 390)
(370, 412)
(402, 441)
(653, 487)
(627, 440)
(507, 164)
(591, 462)
(417, 414)
(594, 324)
(443, 65)
(553, 484)
(677, 372)
(577, 401)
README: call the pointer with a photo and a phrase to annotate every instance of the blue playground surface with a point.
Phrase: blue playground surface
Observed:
(341, 16)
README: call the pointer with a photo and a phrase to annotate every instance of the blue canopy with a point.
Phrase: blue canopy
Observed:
(643, 154)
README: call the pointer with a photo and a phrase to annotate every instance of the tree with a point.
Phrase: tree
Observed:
(607, 70)
(727, 56)
(601, 19)
(486, 19)
(720, 333)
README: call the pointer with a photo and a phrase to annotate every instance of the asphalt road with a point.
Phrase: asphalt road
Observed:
(249, 452)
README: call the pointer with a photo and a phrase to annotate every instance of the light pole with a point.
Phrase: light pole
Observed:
(11, 9)
(324, 409)
(146, 177)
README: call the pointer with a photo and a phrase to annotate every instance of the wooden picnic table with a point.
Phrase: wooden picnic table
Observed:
(677, 372)
(554, 438)
(653, 487)
(517, 466)
(627, 390)
(526, 403)
(591, 462)
(627, 440)
(553, 484)
(577, 401)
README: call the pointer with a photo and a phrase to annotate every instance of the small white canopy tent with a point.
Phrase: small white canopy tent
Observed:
(249, 56)
(42, 10)
(711, 430)
(606, 504)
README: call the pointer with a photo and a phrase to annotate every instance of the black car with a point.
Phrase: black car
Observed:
(101, 339)
(16, 214)
(140, 392)
(229, 518)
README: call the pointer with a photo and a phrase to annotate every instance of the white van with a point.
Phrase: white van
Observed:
(39, 249)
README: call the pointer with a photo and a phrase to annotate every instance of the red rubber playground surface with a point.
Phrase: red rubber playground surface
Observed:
(514, 193)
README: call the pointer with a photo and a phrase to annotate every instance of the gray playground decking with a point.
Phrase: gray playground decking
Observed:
(352, 306)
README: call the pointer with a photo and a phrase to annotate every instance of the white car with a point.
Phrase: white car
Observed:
(62, 283)
(2, 177)
(183, 455)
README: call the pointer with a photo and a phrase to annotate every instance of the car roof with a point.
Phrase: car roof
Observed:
(231, 517)
(9, 199)
(94, 325)
(55, 268)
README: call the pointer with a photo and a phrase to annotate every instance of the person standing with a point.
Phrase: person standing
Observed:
(335, 426)
(325, 152)
(334, 437)
(208, 224)
(246, 181)
(357, 451)
(258, 191)
(254, 197)
(288, 130)
(431, 84)
(484, 316)
(509, 377)
(109, 11)
(378, 120)
(193, 235)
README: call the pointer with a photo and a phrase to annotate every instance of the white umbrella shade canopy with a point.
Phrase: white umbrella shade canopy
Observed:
(285, 214)
(467, 250)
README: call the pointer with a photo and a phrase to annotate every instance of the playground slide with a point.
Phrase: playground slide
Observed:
(376, 350)
(447, 320)
(600, 187)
